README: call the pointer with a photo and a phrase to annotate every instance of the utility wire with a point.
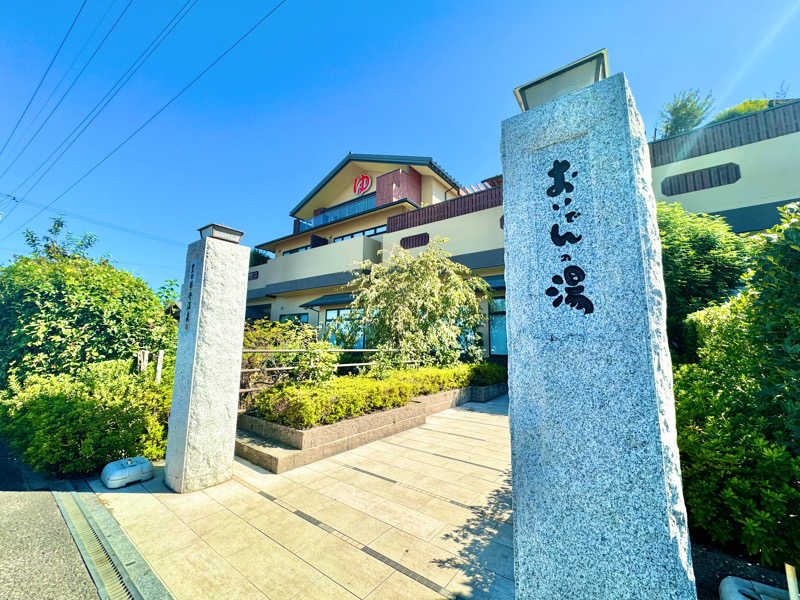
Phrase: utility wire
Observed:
(151, 118)
(87, 120)
(114, 226)
(69, 89)
(78, 55)
(41, 81)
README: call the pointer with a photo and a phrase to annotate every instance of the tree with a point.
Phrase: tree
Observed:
(59, 244)
(60, 309)
(743, 108)
(703, 262)
(686, 111)
(426, 306)
(258, 257)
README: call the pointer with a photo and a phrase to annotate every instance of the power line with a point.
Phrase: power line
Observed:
(109, 225)
(69, 89)
(6, 199)
(41, 81)
(68, 70)
(87, 120)
(152, 117)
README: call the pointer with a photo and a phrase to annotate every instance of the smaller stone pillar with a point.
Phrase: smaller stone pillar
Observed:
(205, 395)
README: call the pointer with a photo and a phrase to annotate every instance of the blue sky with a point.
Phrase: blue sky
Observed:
(319, 79)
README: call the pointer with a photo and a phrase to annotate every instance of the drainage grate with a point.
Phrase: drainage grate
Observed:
(110, 582)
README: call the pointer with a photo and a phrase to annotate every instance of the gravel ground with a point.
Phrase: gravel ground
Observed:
(38, 559)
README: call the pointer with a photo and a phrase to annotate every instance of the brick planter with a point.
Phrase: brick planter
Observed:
(280, 448)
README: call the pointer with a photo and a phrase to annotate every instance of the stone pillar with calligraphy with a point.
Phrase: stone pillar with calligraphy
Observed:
(598, 503)
(205, 395)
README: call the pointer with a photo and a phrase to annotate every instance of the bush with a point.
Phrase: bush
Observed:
(74, 424)
(703, 262)
(426, 306)
(316, 363)
(738, 409)
(745, 108)
(304, 405)
(58, 314)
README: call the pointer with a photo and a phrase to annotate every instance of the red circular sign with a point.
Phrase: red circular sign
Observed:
(361, 184)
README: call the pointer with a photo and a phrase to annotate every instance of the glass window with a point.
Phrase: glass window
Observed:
(258, 311)
(497, 327)
(364, 232)
(298, 317)
(296, 250)
(330, 323)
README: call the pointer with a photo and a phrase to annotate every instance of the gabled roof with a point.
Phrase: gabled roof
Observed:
(420, 161)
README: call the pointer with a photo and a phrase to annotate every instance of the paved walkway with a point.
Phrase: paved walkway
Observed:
(422, 514)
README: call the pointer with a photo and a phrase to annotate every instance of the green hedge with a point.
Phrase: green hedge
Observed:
(75, 424)
(738, 409)
(307, 405)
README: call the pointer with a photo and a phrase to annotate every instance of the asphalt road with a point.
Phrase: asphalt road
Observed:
(38, 558)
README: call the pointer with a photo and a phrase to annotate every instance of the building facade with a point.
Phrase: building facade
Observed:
(741, 169)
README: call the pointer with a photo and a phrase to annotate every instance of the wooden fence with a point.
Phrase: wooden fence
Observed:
(143, 359)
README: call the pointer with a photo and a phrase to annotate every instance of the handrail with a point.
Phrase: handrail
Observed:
(283, 350)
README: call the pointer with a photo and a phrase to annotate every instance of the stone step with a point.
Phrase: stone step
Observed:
(278, 458)
(278, 448)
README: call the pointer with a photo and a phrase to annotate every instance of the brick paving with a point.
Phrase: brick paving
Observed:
(421, 514)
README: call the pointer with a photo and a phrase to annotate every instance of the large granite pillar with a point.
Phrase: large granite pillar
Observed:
(598, 505)
(205, 395)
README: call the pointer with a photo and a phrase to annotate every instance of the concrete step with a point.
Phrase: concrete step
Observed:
(278, 458)
(278, 448)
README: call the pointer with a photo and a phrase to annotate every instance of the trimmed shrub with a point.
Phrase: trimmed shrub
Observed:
(744, 108)
(304, 405)
(74, 424)
(703, 263)
(738, 409)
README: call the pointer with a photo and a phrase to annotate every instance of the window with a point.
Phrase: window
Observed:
(332, 327)
(296, 250)
(364, 232)
(297, 317)
(497, 327)
(257, 311)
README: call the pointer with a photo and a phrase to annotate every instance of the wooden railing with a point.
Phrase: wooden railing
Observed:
(756, 127)
(267, 369)
(456, 207)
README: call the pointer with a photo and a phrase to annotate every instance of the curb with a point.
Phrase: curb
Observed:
(132, 571)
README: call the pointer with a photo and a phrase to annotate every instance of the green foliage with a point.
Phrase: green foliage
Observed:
(59, 243)
(686, 111)
(169, 292)
(744, 108)
(75, 424)
(738, 408)
(304, 405)
(258, 257)
(426, 306)
(703, 262)
(57, 314)
(316, 363)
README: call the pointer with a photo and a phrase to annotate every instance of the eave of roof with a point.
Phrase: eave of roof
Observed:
(318, 227)
(419, 161)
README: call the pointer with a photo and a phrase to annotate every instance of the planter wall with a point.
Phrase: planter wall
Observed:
(386, 421)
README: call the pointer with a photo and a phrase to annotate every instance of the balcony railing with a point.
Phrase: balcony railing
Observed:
(456, 207)
(345, 210)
